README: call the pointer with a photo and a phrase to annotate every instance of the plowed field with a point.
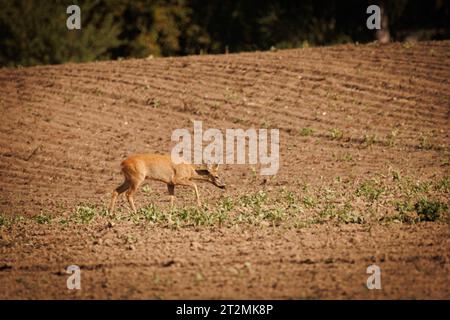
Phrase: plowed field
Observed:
(364, 151)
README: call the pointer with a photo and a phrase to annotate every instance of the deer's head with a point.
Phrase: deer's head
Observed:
(211, 174)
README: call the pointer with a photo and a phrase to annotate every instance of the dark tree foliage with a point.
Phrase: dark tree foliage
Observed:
(34, 31)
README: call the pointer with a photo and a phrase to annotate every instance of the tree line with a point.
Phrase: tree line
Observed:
(34, 31)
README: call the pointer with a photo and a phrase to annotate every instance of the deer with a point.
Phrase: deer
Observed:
(136, 168)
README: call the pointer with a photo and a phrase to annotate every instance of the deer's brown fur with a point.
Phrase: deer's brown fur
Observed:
(137, 168)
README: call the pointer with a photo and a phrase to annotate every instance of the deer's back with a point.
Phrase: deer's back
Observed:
(155, 166)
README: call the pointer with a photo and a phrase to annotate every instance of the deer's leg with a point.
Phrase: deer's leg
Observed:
(171, 189)
(118, 191)
(192, 185)
(199, 203)
(130, 197)
(135, 183)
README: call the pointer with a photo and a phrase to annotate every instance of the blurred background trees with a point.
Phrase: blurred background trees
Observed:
(34, 31)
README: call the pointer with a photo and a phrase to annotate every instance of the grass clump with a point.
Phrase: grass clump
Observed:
(421, 187)
(275, 215)
(347, 215)
(7, 222)
(424, 143)
(444, 184)
(290, 198)
(369, 140)
(187, 215)
(258, 208)
(84, 213)
(370, 189)
(404, 213)
(255, 200)
(305, 132)
(150, 213)
(4, 221)
(340, 214)
(43, 219)
(391, 138)
(428, 210)
(309, 202)
(336, 134)
(421, 210)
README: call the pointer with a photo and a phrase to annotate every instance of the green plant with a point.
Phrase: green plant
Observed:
(4, 221)
(328, 212)
(84, 213)
(408, 44)
(225, 204)
(309, 202)
(446, 161)
(444, 184)
(146, 189)
(253, 172)
(424, 143)
(336, 134)
(97, 91)
(370, 189)
(43, 218)
(403, 206)
(392, 137)
(273, 214)
(153, 103)
(215, 105)
(253, 200)
(223, 209)
(69, 98)
(346, 157)
(197, 216)
(421, 187)
(150, 213)
(230, 95)
(399, 217)
(395, 175)
(425, 210)
(428, 210)
(369, 140)
(266, 124)
(290, 198)
(199, 277)
(348, 215)
(306, 132)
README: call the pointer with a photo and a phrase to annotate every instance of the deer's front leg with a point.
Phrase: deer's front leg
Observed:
(199, 203)
(171, 189)
(189, 184)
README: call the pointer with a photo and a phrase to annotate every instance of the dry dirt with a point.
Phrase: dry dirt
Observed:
(374, 110)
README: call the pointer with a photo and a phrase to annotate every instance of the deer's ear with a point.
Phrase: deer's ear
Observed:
(213, 167)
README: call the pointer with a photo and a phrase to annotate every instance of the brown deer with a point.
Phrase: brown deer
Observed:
(161, 168)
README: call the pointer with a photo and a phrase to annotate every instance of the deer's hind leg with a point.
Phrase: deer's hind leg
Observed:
(118, 191)
(171, 189)
(135, 182)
